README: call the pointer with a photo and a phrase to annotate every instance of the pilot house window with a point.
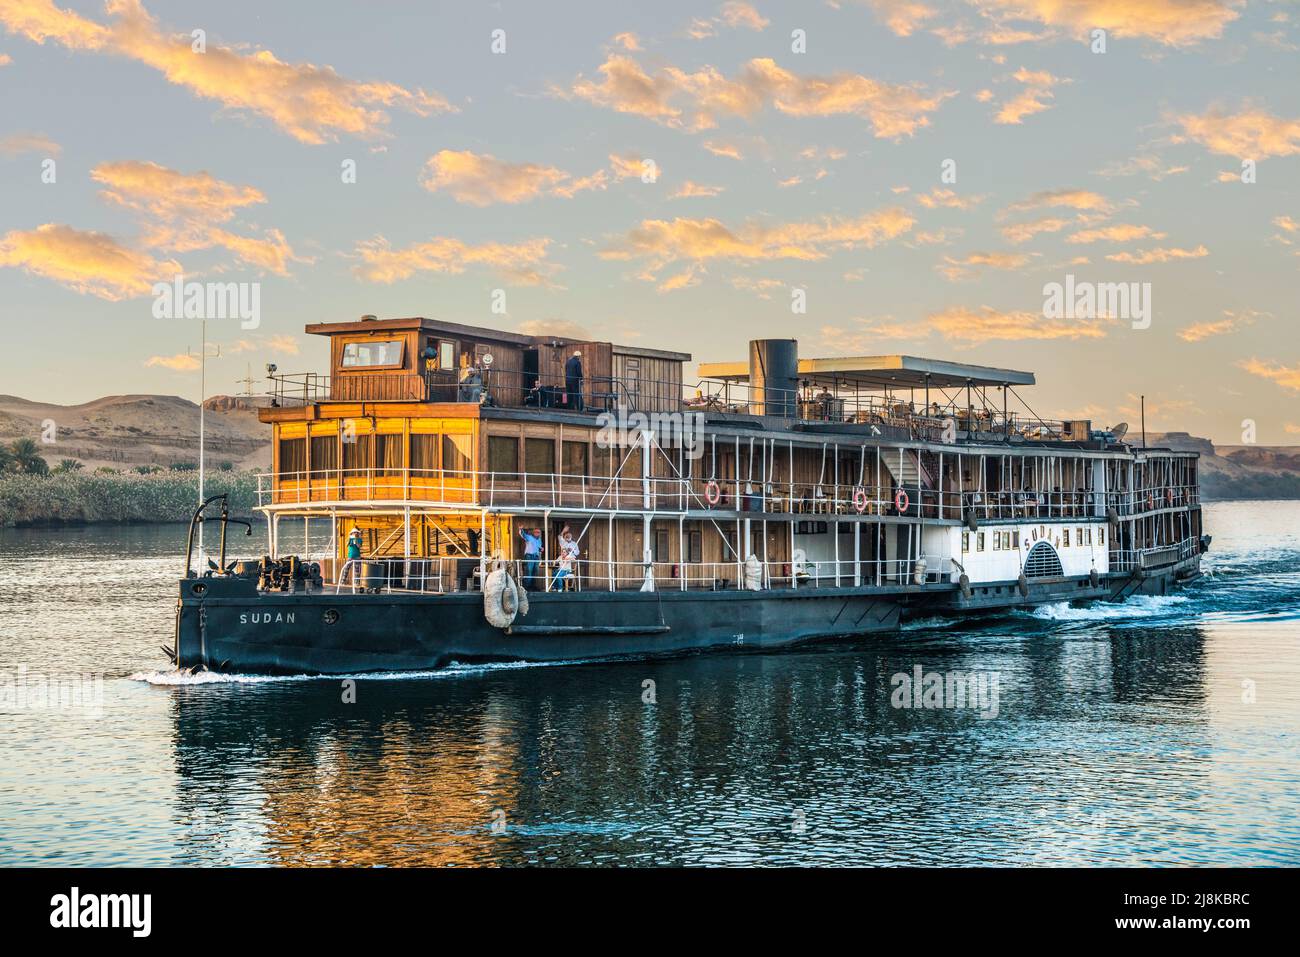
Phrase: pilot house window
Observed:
(293, 457)
(383, 352)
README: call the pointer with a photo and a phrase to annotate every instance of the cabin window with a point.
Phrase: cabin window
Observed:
(1078, 536)
(455, 453)
(356, 454)
(979, 541)
(600, 461)
(446, 355)
(1015, 539)
(575, 458)
(324, 455)
(695, 546)
(293, 458)
(388, 453)
(662, 553)
(424, 453)
(539, 456)
(1065, 539)
(503, 454)
(965, 541)
(1101, 536)
(1089, 534)
(382, 352)
(997, 541)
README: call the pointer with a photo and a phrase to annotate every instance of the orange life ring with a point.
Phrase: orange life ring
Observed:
(712, 492)
(860, 499)
(901, 501)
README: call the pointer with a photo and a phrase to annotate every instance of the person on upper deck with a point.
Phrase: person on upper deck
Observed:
(573, 382)
(532, 555)
(471, 382)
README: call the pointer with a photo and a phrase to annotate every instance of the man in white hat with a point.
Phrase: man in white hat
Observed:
(573, 382)
(353, 560)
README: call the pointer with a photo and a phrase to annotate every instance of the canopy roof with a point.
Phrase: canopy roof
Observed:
(881, 372)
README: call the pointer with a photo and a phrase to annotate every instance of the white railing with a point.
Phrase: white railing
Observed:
(1155, 556)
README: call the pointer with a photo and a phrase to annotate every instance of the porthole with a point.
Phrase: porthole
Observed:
(330, 616)
(199, 589)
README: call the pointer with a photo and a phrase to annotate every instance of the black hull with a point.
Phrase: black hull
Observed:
(235, 628)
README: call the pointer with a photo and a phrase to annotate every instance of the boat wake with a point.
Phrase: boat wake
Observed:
(176, 677)
(1138, 606)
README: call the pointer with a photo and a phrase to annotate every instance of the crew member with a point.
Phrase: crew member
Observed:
(354, 558)
(532, 555)
(573, 382)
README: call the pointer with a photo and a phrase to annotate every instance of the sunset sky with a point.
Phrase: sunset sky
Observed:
(520, 168)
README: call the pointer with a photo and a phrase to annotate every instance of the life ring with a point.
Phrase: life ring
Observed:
(859, 499)
(901, 501)
(712, 492)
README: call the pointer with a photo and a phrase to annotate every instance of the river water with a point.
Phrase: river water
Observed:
(1158, 731)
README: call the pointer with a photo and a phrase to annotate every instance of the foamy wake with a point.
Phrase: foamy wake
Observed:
(179, 677)
(1138, 606)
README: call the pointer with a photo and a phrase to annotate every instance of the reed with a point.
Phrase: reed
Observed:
(77, 498)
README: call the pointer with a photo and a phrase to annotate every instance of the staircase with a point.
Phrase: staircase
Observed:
(909, 473)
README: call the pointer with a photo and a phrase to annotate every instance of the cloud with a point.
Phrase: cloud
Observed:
(86, 261)
(1146, 163)
(690, 190)
(524, 262)
(1250, 133)
(948, 198)
(1288, 377)
(1018, 233)
(1287, 223)
(864, 336)
(1149, 256)
(659, 243)
(1067, 198)
(695, 101)
(627, 167)
(902, 16)
(181, 362)
(313, 104)
(16, 144)
(628, 41)
(955, 269)
(1176, 23)
(737, 14)
(558, 328)
(183, 212)
(1230, 322)
(985, 324)
(728, 150)
(1119, 233)
(481, 180)
(1032, 99)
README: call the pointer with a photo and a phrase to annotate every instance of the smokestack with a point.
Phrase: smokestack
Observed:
(774, 377)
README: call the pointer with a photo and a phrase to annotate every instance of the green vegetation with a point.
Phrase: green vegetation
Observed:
(78, 497)
(1217, 487)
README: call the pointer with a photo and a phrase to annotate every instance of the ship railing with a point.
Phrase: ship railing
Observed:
(1153, 498)
(1154, 556)
(462, 573)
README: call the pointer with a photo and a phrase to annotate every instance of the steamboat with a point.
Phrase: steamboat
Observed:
(492, 496)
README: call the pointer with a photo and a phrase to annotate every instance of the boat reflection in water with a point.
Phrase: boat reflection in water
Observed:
(1100, 751)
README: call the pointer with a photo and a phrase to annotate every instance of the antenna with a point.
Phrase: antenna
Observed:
(204, 356)
(247, 381)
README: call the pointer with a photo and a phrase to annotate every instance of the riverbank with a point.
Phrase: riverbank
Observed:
(82, 498)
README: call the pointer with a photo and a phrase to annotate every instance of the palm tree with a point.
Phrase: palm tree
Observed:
(68, 465)
(6, 459)
(27, 457)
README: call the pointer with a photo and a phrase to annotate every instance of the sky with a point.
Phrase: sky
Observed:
(870, 177)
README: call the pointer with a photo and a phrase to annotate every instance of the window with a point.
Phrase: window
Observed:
(600, 461)
(661, 546)
(356, 455)
(455, 453)
(539, 456)
(965, 541)
(424, 453)
(1006, 541)
(446, 355)
(503, 454)
(575, 458)
(388, 453)
(997, 541)
(979, 541)
(1101, 536)
(324, 455)
(1089, 534)
(694, 546)
(381, 352)
(1065, 539)
(1015, 539)
(293, 458)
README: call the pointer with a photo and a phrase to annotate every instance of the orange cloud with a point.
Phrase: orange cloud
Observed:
(985, 324)
(86, 261)
(1251, 133)
(1176, 23)
(948, 198)
(1149, 256)
(185, 211)
(1119, 233)
(481, 180)
(1032, 99)
(727, 150)
(181, 362)
(1068, 198)
(18, 143)
(660, 242)
(313, 104)
(893, 111)
(738, 14)
(691, 190)
(1018, 233)
(523, 262)
(955, 269)
(902, 16)
(1288, 377)
(1230, 322)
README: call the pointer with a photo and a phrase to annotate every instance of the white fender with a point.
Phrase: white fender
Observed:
(753, 573)
(500, 598)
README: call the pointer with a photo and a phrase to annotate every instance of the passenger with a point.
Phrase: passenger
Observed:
(565, 564)
(532, 555)
(573, 382)
(353, 559)
(471, 383)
